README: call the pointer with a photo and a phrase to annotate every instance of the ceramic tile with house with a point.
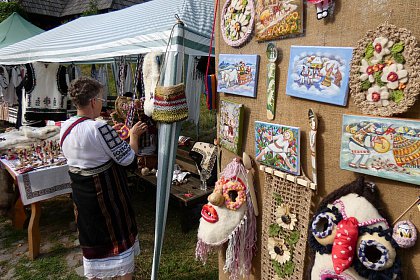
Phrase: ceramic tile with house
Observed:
(319, 73)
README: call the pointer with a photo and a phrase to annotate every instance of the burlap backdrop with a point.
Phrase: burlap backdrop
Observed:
(352, 19)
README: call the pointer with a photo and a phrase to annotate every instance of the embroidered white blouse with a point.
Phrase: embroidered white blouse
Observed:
(93, 143)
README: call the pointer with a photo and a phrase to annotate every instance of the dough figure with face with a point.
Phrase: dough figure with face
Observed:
(229, 217)
(350, 238)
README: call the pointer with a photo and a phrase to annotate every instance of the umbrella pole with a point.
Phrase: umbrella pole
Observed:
(168, 144)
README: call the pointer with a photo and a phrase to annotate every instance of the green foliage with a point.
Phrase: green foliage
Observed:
(378, 80)
(366, 85)
(369, 51)
(397, 96)
(273, 230)
(398, 57)
(93, 8)
(397, 48)
(293, 238)
(289, 267)
(8, 8)
(283, 270)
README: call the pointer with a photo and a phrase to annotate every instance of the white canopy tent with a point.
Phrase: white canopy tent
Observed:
(138, 29)
(135, 30)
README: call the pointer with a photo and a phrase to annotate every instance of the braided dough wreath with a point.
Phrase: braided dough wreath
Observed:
(385, 73)
(237, 21)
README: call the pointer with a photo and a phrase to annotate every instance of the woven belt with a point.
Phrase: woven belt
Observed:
(91, 171)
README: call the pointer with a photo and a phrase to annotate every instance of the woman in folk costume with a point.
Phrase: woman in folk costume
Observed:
(96, 156)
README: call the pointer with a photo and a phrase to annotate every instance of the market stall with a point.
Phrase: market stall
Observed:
(13, 29)
(136, 30)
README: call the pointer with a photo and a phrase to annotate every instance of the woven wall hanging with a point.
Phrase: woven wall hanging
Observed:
(237, 21)
(285, 225)
(385, 73)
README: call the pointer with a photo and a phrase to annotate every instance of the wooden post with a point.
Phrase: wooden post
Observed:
(18, 214)
(34, 237)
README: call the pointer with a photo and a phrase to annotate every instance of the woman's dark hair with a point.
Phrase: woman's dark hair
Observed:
(84, 89)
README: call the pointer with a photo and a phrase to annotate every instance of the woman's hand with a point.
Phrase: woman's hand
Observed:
(118, 126)
(138, 129)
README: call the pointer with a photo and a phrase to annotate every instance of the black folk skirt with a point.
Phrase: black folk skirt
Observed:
(104, 215)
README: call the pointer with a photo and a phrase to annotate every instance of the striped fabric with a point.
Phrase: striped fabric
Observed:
(12, 114)
(138, 29)
(104, 215)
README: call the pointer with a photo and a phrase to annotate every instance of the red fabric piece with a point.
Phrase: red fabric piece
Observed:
(344, 244)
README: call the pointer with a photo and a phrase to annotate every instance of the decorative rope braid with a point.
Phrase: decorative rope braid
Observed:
(364, 244)
(121, 76)
(365, 223)
(313, 243)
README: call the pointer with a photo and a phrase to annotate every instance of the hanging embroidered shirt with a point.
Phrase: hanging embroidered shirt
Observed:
(48, 100)
(99, 144)
(128, 84)
(4, 80)
(17, 74)
(102, 77)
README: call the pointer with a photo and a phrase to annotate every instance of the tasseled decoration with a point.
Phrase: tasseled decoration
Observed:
(233, 169)
(242, 245)
(202, 251)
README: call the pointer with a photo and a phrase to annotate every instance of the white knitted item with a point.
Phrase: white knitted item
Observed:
(151, 70)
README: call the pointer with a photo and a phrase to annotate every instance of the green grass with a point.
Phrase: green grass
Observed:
(178, 252)
(49, 266)
(9, 236)
(177, 258)
(206, 125)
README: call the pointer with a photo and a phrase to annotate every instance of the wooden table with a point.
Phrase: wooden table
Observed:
(188, 195)
(23, 189)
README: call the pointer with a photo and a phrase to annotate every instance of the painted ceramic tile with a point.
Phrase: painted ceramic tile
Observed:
(278, 146)
(238, 74)
(230, 126)
(319, 73)
(383, 147)
(275, 19)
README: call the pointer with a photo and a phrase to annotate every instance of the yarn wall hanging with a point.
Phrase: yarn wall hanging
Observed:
(229, 217)
(285, 223)
(237, 21)
(350, 237)
(385, 73)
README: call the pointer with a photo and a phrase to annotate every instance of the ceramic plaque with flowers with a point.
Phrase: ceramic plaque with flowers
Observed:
(237, 21)
(384, 77)
(277, 19)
